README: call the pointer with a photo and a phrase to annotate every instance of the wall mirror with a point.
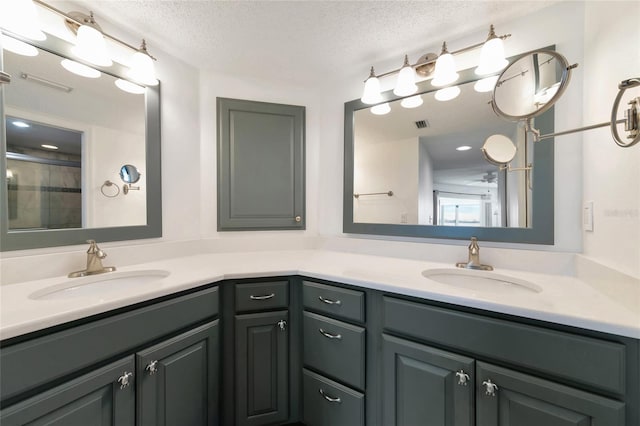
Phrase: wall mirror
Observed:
(421, 172)
(63, 136)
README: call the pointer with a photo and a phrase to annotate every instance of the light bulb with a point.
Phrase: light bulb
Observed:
(21, 17)
(19, 47)
(91, 47)
(447, 93)
(371, 94)
(486, 84)
(129, 87)
(406, 84)
(80, 69)
(381, 109)
(492, 55)
(142, 68)
(445, 72)
(412, 102)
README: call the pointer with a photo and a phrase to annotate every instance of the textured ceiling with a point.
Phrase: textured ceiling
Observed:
(300, 41)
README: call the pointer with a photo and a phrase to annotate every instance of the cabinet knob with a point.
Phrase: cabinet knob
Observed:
(329, 335)
(298, 219)
(463, 377)
(329, 301)
(283, 325)
(152, 367)
(337, 400)
(125, 379)
(490, 388)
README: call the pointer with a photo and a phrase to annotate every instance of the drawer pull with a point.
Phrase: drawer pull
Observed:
(264, 297)
(329, 335)
(330, 398)
(490, 388)
(124, 380)
(329, 301)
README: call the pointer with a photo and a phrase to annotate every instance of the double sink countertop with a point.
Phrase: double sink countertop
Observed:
(34, 305)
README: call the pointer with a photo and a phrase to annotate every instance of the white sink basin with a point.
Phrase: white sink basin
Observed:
(481, 281)
(96, 285)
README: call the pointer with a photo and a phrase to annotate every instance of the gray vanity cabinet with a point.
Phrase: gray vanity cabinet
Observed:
(178, 380)
(104, 397)
(262, 368)
(426, 386)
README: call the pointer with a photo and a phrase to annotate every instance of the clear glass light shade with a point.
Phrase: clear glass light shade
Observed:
(21, 17)
(91, 46)
(447, 93)
(80, 69)
(18, 47)
(381, 109)
(412, 102)
(486, 84)
(491, 57)
(406, 84)
(129, 87)
(371, 94)
(142, 69)
(445, 72)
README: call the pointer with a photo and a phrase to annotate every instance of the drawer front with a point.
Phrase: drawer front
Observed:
(593, 362)
(36, 362)
(262, 296)
(335, 348)
(333, 301)
(327, 403)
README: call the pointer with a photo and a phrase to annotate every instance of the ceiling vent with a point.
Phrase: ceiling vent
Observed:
(422, 124)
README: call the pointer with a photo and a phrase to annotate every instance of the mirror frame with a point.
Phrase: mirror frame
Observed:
(542, 211)
(25, 239)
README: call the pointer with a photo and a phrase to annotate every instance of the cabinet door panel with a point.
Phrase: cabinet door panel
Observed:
(262, 361)
(523, 400)
(182, 389)
(94, 399)
(421, 387)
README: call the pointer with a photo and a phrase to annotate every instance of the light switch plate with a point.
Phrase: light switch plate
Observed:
(587, 216)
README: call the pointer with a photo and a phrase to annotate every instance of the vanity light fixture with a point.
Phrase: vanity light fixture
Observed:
(142, 68)
(412, 102)
(129, 87)
(445, 72)
(486, 84)
(18, 47)
(79, 69)
(381, 109)
(90, 44)
(21, 18)
(371, 94)
(406, 84)
(492, 57)
(447, 94)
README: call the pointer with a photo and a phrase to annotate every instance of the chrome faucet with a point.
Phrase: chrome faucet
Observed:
(474, 258)
(94, 262)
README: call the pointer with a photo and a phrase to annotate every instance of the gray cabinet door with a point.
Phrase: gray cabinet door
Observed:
(522, 400)
(421, 385)
(178, 380)
(262, 362)
(96, 399)
(260, 165)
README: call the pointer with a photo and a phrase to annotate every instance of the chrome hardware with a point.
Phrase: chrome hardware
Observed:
(490, 388)
(282, 324)
(124, 379)
(329, 335)
(463, 377)
(474, 258)
(264, 297)
(94, 262)
(330, 398)
(152, 367)
(298, 219)
(5, 78)
(329, 301)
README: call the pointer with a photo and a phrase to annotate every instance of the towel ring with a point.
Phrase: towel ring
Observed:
(109, 184)
(631, 122)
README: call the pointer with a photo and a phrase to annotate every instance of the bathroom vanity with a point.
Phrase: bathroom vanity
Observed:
(262, 345)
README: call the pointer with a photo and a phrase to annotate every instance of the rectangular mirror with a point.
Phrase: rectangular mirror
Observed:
(65, 139)
(418, 170)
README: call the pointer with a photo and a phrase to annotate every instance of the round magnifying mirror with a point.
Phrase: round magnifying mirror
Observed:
(498, 150)
(129, 174)
(531, 85)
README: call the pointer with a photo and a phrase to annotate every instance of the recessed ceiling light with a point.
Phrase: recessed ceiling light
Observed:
(20, 124)
(463, 148)
(49, 146)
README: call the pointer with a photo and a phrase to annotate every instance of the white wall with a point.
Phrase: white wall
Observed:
(611, 174)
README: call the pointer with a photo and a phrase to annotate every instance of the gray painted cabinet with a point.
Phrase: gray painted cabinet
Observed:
(262, 368)
(260, 165)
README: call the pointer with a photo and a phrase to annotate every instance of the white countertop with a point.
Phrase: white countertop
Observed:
(562, 299)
